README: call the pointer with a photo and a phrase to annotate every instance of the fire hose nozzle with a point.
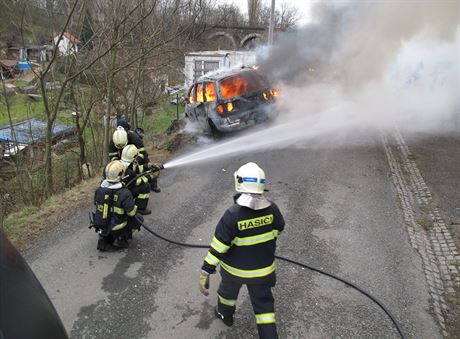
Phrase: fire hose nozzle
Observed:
(157, 167)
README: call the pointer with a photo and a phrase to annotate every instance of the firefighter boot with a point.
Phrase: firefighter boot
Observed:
(104, 244)
(144, 211)
(226, 320)
(121, 241)
(154, 186)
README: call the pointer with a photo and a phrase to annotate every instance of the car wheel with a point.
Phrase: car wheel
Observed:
(215, 133)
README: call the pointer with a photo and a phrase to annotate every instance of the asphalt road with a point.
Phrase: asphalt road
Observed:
(342, 216)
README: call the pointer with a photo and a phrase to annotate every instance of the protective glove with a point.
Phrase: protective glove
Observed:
(156, 168)
(203, 283)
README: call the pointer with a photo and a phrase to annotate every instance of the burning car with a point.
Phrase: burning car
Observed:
(230, 100)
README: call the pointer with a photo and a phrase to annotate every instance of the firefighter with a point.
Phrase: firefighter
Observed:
(118, 142)
(244, 245)
(115, 209)
(140, 187)
(122, 137)
(153, 177)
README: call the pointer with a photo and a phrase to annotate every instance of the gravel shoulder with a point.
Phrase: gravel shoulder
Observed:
(438, 158)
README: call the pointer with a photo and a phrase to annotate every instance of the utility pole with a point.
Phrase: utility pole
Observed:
(272, 24)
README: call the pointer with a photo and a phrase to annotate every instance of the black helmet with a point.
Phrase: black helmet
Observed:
(139, 131)
(123, 123)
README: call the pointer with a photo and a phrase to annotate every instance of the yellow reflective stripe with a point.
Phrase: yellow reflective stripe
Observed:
(256, 222)
(141, 180)
(143, 196)
(133, 212)
(253, 240)
(276, 233)
(140, 155)
(265, 318)
(105, 212)
(113, 153)
(219, 246)
(211, 259)
(227, 302)
(261, 272)
(141, 149)
(119, 226)
(118, 210)
(141, 168)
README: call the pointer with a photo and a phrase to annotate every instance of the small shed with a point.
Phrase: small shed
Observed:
(199, 63)
(8, 68)
(29, 135)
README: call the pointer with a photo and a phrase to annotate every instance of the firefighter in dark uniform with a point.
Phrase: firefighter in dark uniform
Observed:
(120, 139)
(124, 136)
(244, 245)
(115, 209)
(153, 177)
(140, 188)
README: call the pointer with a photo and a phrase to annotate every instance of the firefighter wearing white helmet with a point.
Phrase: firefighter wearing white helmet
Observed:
(129, 154)
(244, 245)
(114, 171)
(115, 209)
(122, 137)
(140, 188)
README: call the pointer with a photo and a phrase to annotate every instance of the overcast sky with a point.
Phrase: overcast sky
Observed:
(303, 6)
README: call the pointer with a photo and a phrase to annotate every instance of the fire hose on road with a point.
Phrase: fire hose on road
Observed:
(330, 275)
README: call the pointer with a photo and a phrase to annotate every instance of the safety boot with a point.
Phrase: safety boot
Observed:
(121, 242)
(226, 320)
(145, 211)
(104, 245)
(154, 187)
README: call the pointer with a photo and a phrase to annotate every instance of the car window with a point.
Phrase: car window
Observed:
(240, 84)
(199, 93)
(209, 92)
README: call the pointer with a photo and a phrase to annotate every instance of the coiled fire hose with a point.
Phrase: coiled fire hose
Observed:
(330, 275)
(346, 282)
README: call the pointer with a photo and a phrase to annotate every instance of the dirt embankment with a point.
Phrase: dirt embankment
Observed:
(24, 227)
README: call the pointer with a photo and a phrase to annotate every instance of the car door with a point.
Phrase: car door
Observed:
(200, 107)
(191, 103)
(210, 98)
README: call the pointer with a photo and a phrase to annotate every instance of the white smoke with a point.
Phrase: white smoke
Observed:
(378, 64)
(360, 66)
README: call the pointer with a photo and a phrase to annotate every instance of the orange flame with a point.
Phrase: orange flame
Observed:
(210, 92)
(229, 106)
(274, 92)
(234, 86)
(199, 93)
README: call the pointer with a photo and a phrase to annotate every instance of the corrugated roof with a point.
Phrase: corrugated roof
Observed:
(31, 130)
(8, 63)
(224, 72)
(71, 38)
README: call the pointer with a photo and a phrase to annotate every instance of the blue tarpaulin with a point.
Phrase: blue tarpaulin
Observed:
(31, 130)
(24, 65)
